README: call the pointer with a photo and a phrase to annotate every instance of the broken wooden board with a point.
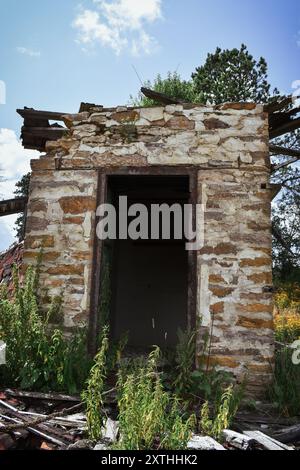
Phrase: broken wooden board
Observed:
(267, 442)
(42, 396)
(289, 434)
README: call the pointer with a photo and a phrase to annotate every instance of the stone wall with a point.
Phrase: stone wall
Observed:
(228, 146)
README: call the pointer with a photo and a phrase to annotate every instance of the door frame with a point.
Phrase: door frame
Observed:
(102, 185)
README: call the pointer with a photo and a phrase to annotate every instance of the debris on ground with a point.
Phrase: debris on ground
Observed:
(54, 421)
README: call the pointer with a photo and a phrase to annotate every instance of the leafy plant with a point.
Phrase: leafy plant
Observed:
(185, 361)
(285, 389)
(39, 357)
(172, 86)
(213, 423)
(210, 384)
(287, 327)
(150, 417)
(92, 396)
(203, 382)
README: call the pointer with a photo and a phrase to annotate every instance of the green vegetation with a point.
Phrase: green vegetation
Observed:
(150, 417)
(172, 86)
(285, 390)
(22, 190)
(39, 357)
(212, 423)
(232, 75)
(92, 396)
(235, 75)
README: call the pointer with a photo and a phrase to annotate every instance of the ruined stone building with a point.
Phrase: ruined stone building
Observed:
(217, 156)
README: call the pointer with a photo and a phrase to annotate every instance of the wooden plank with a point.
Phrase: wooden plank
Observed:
(264, 440)
(93, 328)
(278, 150)
(42, 396)
(37, 432)
(192, 258)
(289, 434)
(284, 446)
(12, 206)
(47, 133)
(160, 97)
(289, 126)
(30, 113)
(278, 105)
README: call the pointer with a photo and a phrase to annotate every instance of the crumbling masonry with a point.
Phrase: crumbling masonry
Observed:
(226, 148)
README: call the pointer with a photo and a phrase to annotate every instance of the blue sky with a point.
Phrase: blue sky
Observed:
(56, 53)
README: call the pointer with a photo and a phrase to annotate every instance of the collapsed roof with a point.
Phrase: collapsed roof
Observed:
(38, 129)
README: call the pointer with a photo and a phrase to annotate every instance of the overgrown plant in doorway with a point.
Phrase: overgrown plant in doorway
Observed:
(214, 419)
(92, 395)
(202, 383)
(150, 417)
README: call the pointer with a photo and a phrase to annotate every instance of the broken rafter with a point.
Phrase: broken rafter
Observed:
(160, 97)
(289, 126)
(12, 206)
(278, 105)
(290, 152)
(27, 424)
(30, 113)
(42, 396)
(37, 129)
(49, 133)
(282, 165)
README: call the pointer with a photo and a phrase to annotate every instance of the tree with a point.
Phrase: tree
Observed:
(172, 86)
(232, 75)
(286, 213)
(22, 191)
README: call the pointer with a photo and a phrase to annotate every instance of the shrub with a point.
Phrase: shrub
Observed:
(150, 417)
(210, 384)
(92, 396)
(287, 326)
(38, 357)
(205, 382)
(213, 423)
(285, 389)
(184, 361)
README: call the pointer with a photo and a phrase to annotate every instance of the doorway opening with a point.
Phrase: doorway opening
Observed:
(146, 286)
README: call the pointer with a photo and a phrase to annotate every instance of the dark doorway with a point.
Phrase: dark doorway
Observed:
(151, 283)
(149, 288)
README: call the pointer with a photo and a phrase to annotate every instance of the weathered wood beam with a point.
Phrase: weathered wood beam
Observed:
(160, 97)
(289, 126)
(290, 152)
(278, 105)
(48, 133)
(288, 434)
(275, 189)
(12, 206)
(267, 442)
(34, 114)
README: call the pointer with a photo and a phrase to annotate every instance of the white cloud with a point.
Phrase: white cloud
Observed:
(14, 163)
(119, 24)
(29, 52)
